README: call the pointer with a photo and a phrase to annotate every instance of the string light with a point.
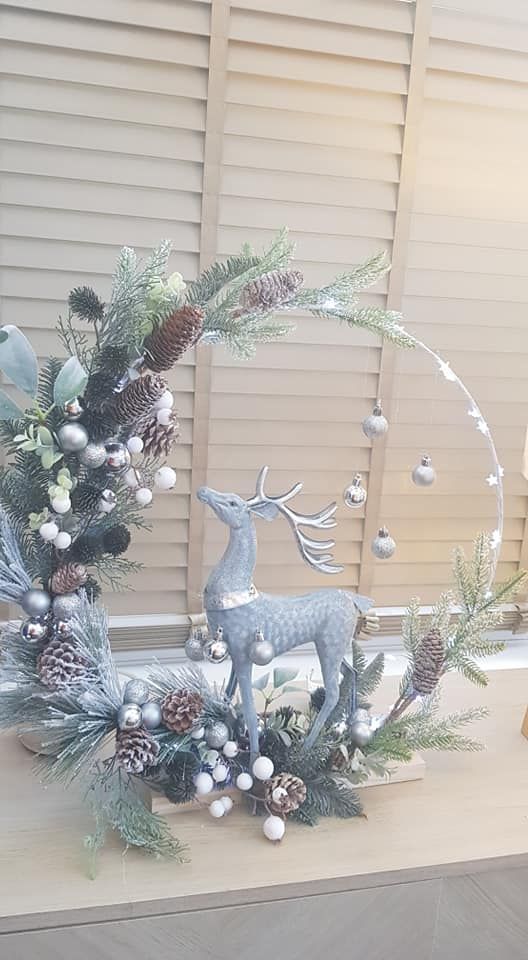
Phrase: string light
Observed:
(495, 539)
(475, 413)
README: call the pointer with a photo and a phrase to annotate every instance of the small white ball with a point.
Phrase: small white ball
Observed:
(164, 417)
(211, 757)
(143, 496)
(217, 809)
(165, 402)
(48, 531)
(135, 444)
(227, 803)
(63, 540)
(198, 733)
(165, 478)
(244, 781)
(230, 749)
(220, 773)
(61, 504)
(263, 768)
(273, 828)
(278, 794)
(204, 783)
(132, 478)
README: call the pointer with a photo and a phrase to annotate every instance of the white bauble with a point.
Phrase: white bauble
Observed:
(227, 803)
(198, 733)
(61, 504)
(273, 828)
(244, 781)
(217, 809)
(63, 540)
(230, 749)
(132, 478)
(165, 478)
(143, 496)
(165, 402)
(48, 531)
(263, 768)
(164, 417)
(204, 783)
(220, 773)
(135, 444)
(278, 794)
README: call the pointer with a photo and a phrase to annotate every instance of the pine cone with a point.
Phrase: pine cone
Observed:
(270, 290)
(428, 663)
(84, 303)
(138, 398)
(93, 588)
(284, 793)
(181, 709)
(180, 787)
(60, 664)
(116, 540)
(136, 750)
(86, 497)
(158, 440)
(68, 578)
(165, 345)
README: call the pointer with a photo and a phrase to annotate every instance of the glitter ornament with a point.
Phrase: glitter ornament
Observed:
(108, 501)
(227, 803)
(204, 783)
(93, 456)
(151, 715)
(48, 531)
(274, 828)
(165, 402)
(73, 410)
(217, 809)
(262, 650)
(424, 473)
(230, 749)
(164, 416)
(143, 496)
(165, 478)
(375, 425)
(136, 691)
(35, 630)
(263, 768)
(134, 445)
(244, 781)
(36, 603)
(72, 437)
(194, 645)
(220, 773)
(355, 495)
(66, 606)
(215, 649)
(359, 729)
(61, 504)
(383, 546)
(217, 734)
(129, 716)
(117, 457)
(62, 541)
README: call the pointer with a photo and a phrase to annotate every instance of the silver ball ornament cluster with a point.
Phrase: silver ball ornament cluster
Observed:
(137, 710)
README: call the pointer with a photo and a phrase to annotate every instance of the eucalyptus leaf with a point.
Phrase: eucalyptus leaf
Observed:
(282, 675)
(70, 382)
(45, 437)
(9, 410)
(47, 458)
(18, 360)
(261, 682)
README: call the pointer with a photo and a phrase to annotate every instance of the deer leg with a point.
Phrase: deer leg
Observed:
(330, 668)
(243, 672)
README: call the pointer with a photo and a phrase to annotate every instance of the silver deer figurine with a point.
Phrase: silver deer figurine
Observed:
(326, 618)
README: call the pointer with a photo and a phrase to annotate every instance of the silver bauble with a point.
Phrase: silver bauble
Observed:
(61, 629)
(117, 457)
(36, 603)
(73, 410)
(34, 630)
(355, 495)
(424, 473)
(151, 715)
(72, 437)
(93, 456)
(66, 606)
(383, 546)
(215, 649)
(129, 716)
(262, 651)
(375, 425)
(360, 730)
(194, 645)
(217, 734)
(136, 691)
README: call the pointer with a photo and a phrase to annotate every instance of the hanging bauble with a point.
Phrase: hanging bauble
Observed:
(143, 496)
(355, 495)
(375, 425)
(61, 629)
(134, 444)
(217, 734)
(49, 530)
(424, 473)
(244, 781)
(66, 606)
(220, 773)
(263, 768)
(35, 630)
(73, 410)
(227, 803)
(72, 437)
(36, 603)
(136, 691)
(108, 501)
(62, 541)
(129, 716)
(215, 649)
(93, 456)
(204, 783)
(151, 715)
(217, 809)
(165, 478)
(194, 645)
(262, 650)
(61, 505)
(274, 828)
(117, 457)
(383, 546)
(164, 417)
(359, 729)
(230, 749)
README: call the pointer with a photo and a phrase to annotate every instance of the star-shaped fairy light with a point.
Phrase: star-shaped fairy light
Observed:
(492, 480)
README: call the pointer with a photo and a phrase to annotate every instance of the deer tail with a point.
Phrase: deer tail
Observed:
(362, 603)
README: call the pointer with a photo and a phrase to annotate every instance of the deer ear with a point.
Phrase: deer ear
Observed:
(266, 511)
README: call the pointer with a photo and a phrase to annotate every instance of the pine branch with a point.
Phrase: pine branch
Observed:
(331, 796)
(219, 275)
(371, 676)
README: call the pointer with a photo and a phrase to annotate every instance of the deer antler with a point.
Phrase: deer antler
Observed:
(310, 549)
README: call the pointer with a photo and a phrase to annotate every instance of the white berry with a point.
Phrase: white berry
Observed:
(132, 478)
(63, 540)
(263, 768)
(143, 496)
(165, 402)
(135, 445)
(220, 773)
(61, 504)
(48, 531)
(204, 783)
(217, 809)
(244, 781)
(164, 417)
(278, 794)
(273, 828)
(198, 733)
(230, 749)
(227, 803)
(165, 478)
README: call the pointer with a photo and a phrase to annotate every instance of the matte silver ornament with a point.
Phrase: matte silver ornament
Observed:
(217, 735)
(424, 473)
(73, 410)
(117, 457)
(35, 630)
(129, 716)
(36, 603)
(61, 629)
(215, 650)
(93, 456)
(194, 645)
(355, 495)
(66, 606)
(72, 437)
(107, 502)
(136, 691)
(151, 715)
(383, 546)
(262, 651)
(375, 425)
(360, 730)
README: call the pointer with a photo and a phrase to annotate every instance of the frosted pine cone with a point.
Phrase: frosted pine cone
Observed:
(60, 664)
(159, 440)
(169, 342)
(428, 663)
(68, 578)
(138, 398)
(136, 750)
(285, 793)
(270, 290)
(180, 710)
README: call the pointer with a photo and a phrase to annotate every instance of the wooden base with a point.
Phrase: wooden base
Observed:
(524, 728)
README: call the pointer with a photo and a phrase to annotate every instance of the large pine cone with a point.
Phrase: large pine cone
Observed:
(136, 750)
(285, 793)
(158, 440)
(60, 664)
(138, 398)
(428, 663)
(68, 578)
(270, 290)
(165, 345)
(180, 710)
